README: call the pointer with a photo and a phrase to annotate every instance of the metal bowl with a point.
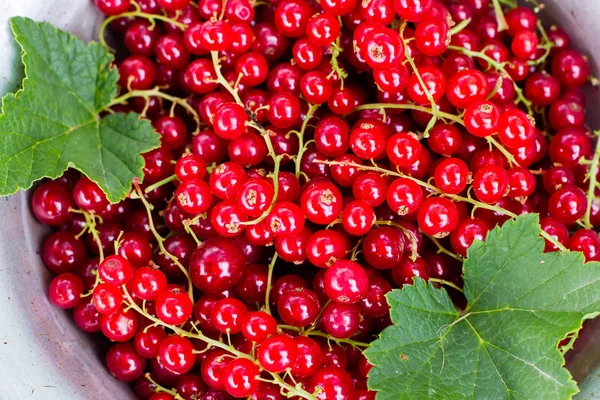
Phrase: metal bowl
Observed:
(42, 353)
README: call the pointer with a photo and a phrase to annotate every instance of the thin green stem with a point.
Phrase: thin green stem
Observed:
(593, 172)
(511, 158)
(136, 14)
(437, 191)
(162, 389)
(221, 79)
(500, 68)
(502, 25)
(160, 183)
(292, 391)
(158, 93)
(442, 249)
(378, 106)
(90, 221)
(446, 283)
(327, 336)
(160, 240)
(434, 110)
(302, 145)
(460, 26)
(269, 283)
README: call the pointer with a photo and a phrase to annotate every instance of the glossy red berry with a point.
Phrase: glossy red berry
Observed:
(482, 118)
(468, 230)
(298, 307)
(277, 353)
(515, 129)
(586, 241)
(432, 37)
(113, 7)
(434, 84)
(403, 149)
(322, 29)
(309, 358)
(341, 320)
(466, 87)
(176, 354)
(490, 184)
(124, 363)
(408, 269)
(107, 298)
(116, 270)
(346, 282)
(357, 218)
(325, 247)
(284, 110)
(412, 10)
(257, 326)
(174, 306)
(227, 315)
(120, 325)
(241, 377)
(383, 248)
(65, 290)
(321, 202)
(217, 265)
(382, 48)
(452, 175)
(88, 196)
(368, 138)
(50, 204)
(437, 217)
(193, 196)
(568, 204)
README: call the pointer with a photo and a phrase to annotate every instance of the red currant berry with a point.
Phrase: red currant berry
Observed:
(193, 196)
(434, 86)
(383, 248)
(325, 247)
(241, 377)
(482, 118)
(341, 320)
(357, 218)
(227, 315)
(490, 184)
(124, 363)
(298, 307)
(515, 129)
(309, 358)
(277, 353)
(176, 354)
(217, 265)
(321, 202)
(120, 326)
(466, 87)
(437, 217)
(257, 326)
(468, 230)
(586, 241)
(432, 37)
(452, 175)
(174, 306)
(568, 204)
(65, 290)
(346, 282)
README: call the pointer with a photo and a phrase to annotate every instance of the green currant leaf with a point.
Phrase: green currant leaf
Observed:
(521, 303)
(54, 122)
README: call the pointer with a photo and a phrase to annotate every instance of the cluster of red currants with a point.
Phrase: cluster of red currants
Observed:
(315, 155)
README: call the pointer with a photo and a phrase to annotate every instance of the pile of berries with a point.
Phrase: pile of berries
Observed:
(315, 155)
